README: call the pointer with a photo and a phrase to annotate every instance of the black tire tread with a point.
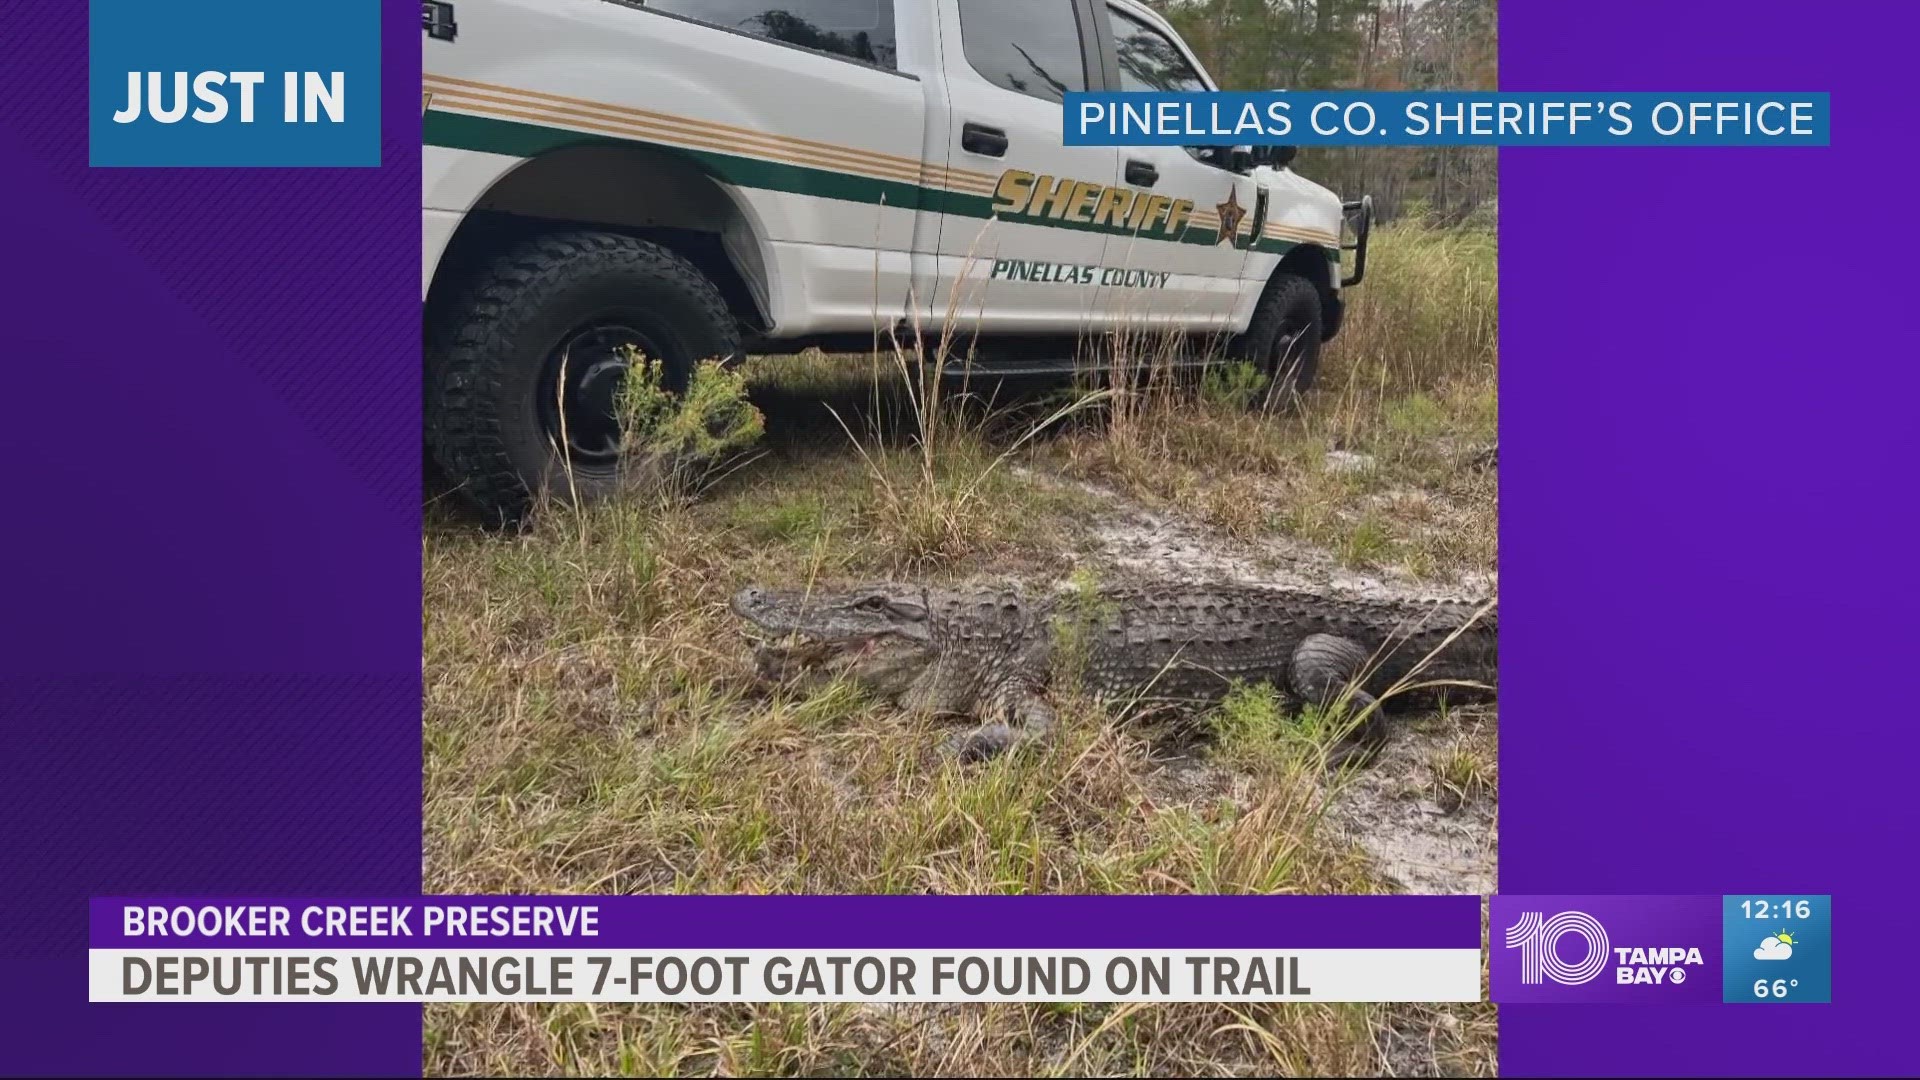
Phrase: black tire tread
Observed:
(471, 354)
(1284, 293)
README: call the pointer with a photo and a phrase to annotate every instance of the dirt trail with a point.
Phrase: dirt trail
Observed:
(1420, 838)
(1137, 540)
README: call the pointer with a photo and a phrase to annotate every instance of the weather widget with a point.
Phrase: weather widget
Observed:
(1778, 949)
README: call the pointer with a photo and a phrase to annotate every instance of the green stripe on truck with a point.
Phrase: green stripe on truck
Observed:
(486, 134)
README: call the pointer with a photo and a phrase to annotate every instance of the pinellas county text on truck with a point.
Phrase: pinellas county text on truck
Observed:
(699, 179)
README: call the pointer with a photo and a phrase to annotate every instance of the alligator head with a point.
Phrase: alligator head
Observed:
(879, 637)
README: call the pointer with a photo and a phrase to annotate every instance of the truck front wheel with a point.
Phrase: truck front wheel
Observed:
(1283, 339)
(524, 368)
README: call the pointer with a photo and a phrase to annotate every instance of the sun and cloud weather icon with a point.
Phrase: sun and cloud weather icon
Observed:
(1775, 947)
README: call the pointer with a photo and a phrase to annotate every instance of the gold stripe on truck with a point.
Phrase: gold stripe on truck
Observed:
(1277, 231)
(674, 134)
(489, 99)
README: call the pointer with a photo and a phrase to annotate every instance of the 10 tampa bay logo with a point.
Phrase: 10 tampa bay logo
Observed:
(1572, 949)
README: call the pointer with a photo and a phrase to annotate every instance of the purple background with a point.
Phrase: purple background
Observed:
(1643, 922)
(209, 637)
(910, 922)
(1707, 404)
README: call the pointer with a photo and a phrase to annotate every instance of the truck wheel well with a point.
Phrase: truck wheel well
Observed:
(1310, 261)
(653, 195)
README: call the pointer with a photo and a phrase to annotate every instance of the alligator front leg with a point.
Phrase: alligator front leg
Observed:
(1020, 715)
(1326, 666)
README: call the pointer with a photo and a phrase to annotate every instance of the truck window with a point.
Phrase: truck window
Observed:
(1028, 46)
(1149, 60)
(858, 29)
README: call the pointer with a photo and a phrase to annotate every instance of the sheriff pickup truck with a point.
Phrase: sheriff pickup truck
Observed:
(707, 178)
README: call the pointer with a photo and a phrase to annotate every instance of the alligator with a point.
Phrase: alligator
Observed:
(993, 653)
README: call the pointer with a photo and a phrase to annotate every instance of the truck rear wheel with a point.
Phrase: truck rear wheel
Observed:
(1283, 339)
(524, 368)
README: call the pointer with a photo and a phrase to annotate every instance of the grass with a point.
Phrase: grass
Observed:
(591, 726)
(1385, 468)
(1466, 771)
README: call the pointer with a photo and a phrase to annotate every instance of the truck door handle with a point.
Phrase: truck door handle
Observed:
(981, 139)
(1141, 174)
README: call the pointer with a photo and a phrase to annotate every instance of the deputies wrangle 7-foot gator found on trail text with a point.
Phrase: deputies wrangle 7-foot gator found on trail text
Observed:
(992, 654)
(703, 179)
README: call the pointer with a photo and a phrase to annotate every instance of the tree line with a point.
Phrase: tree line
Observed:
(1363, 45)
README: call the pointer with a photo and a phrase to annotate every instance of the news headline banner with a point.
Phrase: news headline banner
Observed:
(1452, 118)
(761, 948)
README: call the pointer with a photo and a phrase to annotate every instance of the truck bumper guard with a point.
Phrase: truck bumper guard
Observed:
(1358, 217)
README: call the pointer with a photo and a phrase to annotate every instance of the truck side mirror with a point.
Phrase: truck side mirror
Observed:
(1219, 157)
(1281, 156)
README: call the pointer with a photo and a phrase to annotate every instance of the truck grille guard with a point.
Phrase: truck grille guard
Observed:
(1358, 216)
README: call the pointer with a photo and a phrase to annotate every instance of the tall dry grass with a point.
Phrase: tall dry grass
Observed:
(1425, 324)
(1384, 463)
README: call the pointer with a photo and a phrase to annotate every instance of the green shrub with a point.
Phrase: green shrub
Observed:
(674, 444)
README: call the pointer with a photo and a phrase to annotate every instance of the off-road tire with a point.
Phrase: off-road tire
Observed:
(1288, 302)
(488, 351)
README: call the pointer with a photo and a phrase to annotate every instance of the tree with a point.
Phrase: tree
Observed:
(1361, 44)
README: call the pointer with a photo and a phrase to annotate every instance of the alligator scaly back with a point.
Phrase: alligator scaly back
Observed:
(993, 653)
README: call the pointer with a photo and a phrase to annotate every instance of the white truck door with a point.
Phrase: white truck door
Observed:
(811, 112)
(1207, 258)
(1019, 252)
